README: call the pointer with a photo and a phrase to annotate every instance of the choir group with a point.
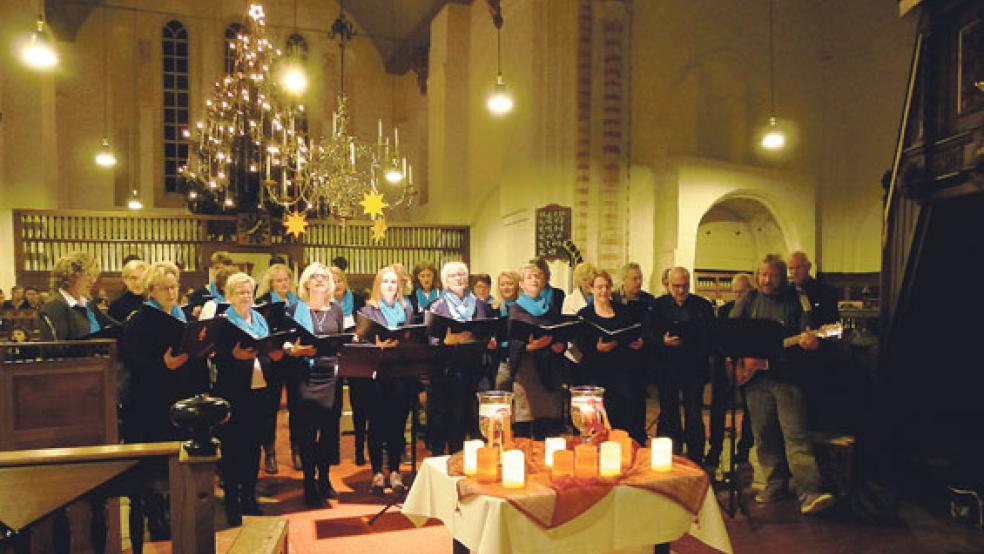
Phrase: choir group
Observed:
(627, 339)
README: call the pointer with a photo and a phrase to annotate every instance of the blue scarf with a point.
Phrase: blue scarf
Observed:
(291, 297)
(394, 314)
(504, 308)
(176, 311)
(258, 327)
(302, 315)
(215, 293)
(424, 300)
(535, 306)
(462, 309)
(93, 322)
(348, 303)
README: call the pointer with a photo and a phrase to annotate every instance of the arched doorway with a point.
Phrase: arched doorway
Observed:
(733, 234)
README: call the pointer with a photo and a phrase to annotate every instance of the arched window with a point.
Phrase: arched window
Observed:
(296, 47)
(174, 47)
(230, 40)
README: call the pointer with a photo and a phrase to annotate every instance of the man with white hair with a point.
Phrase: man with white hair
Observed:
(682, 322)
(821, 300)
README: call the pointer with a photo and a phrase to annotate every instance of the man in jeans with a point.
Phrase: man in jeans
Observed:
(775, 399)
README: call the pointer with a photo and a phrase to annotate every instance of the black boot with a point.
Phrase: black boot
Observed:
(360, 448)
(312, 498)
(234, 512)
(270, 459)
(324, 483)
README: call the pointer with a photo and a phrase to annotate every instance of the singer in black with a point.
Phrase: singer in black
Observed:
(70, 314)
(360, 390)
(453, 388)
(240, 381)
(614, 365)
(318, 389)
(536, 364)
(391, 399)
(132, 297)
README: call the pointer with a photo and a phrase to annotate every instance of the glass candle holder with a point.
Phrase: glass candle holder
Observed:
(495, 418)
(588, 411)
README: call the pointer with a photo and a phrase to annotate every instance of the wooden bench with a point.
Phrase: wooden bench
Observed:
(261, 535)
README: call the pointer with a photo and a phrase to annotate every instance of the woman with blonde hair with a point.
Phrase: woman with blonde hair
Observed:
(389, 400)
(277, 285)
(318, 389)
(70, 314)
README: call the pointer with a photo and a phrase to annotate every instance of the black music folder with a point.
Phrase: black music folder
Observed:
(404, 361)
(623, 335)
(230, 334)
(326, 345)
(750, 338)
(564, 331)
(369, 330)
(274, 314)
(482, 329)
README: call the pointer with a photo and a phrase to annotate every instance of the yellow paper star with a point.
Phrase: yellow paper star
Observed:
(373, 204)
(379, 229)
(296, 224)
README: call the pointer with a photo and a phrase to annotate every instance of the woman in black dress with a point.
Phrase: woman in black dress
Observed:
(612, 365)
(318, 388)
(360, 390)
(240, 380)
(390, 400)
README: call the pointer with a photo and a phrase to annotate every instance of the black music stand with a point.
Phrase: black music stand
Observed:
(743, 338)
(409, 361)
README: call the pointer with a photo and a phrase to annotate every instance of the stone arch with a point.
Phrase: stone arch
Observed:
(735, 232)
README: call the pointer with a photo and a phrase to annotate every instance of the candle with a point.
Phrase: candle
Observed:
(662, 454)
(552, 445)
(563, 464)
(352, 152)
(334, 124)
(622, 437)
(488, 464)
(380, 132)
(396, 139)
(471, 456)
(513, 469)
(586, 461)
(610, 463)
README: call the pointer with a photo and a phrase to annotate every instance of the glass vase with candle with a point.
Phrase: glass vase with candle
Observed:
(495, 418)
(588, 411)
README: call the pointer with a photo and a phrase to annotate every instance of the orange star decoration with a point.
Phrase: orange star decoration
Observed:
(379, 230)
(296, 224)
(373, 204)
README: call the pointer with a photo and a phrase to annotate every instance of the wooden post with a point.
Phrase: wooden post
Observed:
(192, 504)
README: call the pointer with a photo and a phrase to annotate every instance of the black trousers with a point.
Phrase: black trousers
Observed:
(320, 409)
(448, 410)
(277, 379)
(240, 461)
(686, 382)
(389, 406)
(362, 394)
(625, 402)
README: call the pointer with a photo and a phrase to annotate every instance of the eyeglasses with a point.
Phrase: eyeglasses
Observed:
(320, 276)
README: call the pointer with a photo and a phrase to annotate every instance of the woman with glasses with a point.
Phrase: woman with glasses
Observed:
(360, 390)
(71, 314)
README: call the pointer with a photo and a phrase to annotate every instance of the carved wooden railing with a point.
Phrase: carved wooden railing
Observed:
(44, 236)
(41, 486)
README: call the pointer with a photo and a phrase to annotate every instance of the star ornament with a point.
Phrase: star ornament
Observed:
(379, 229)
(373, 205)
(296, 223)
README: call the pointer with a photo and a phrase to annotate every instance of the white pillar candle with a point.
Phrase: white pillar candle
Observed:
(610, 462)
(551, 445)
(471, 456)
(662, 454)
(513, 469)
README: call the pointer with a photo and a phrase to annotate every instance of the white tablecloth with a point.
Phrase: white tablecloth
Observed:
(627, 518)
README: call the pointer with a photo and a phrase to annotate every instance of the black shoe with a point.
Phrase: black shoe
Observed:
(270, 461)
(327, 491)
(312, 499)
(295, 459)
(250, 506)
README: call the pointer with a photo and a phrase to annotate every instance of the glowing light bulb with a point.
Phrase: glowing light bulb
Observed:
(105, 156)
(39, 52)
(134, 203)
(393, 173)
(773, 139)
(500, 101)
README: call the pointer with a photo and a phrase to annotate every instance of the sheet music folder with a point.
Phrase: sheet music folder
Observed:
(200, 338)
(561, 332)
(326, 345)
(368, 330)
(482, 329)
(405, 361)
(624, 335)
(750, 338)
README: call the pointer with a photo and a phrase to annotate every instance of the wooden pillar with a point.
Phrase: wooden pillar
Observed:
(192, 504)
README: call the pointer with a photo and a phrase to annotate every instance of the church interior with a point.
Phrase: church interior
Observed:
(661, 137)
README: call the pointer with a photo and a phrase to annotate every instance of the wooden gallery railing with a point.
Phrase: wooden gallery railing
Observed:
(43, 236)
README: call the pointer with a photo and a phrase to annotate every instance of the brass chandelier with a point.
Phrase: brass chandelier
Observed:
(251, 150)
